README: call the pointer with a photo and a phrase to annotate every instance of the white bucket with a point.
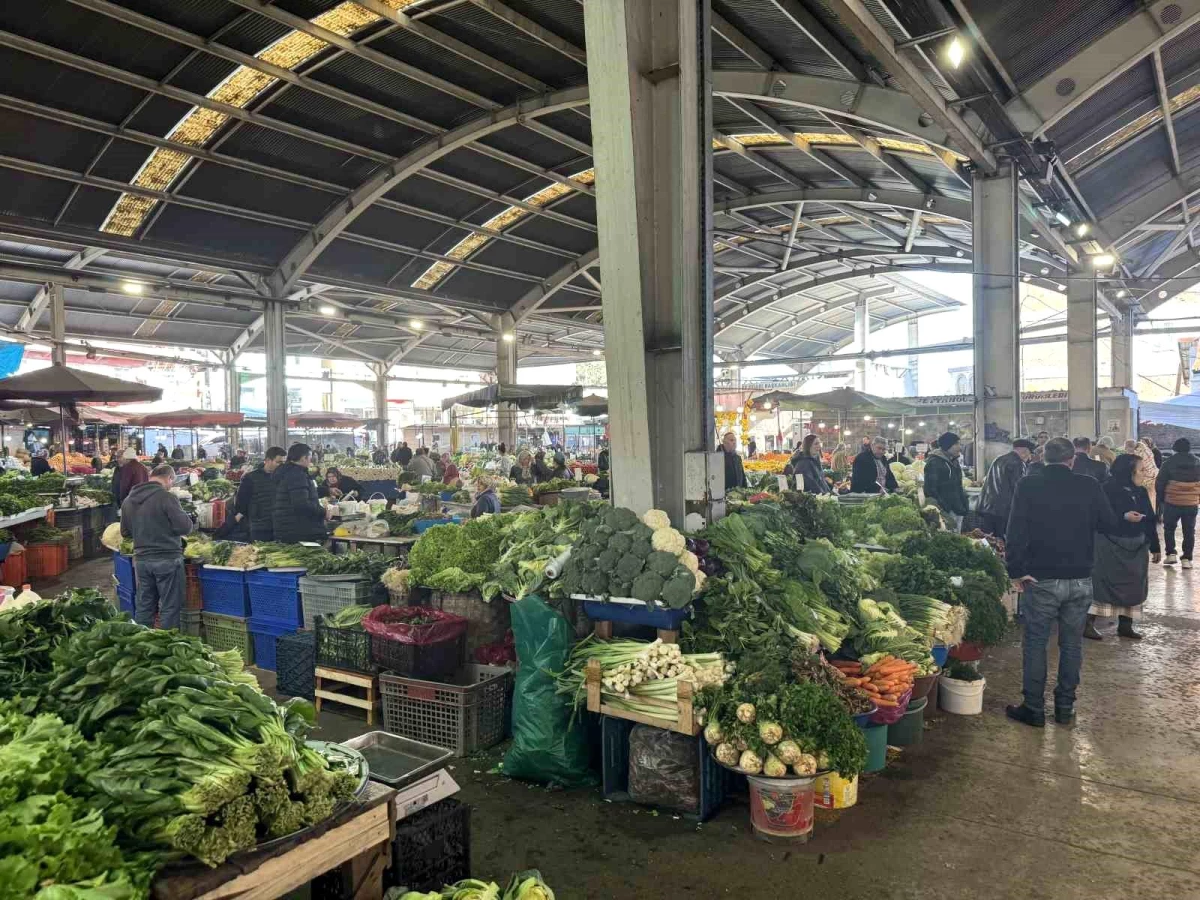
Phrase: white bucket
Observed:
(962, 698)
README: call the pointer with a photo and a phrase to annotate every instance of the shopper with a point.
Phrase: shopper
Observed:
(128, 475)
(40, 464)
(403, 454)
(901, 456)
(870, 473)
(1105, 451)
(379, 456)
(1154, 451)
(1049, 552)
(1146, 473)
(201, 453)
(1120, 578)
(255, 500)
(420, 466)
(451, 473)
(841, 460)
(152, 517)
(296, 515)
(735, 474)
(177, 453)
(806, 466)
(335, 485)
(1084, 464)
(1178, 488)
(752, 449)
(504, 459)
(238, 460)
(995, 501)
(486, 501)
(559, 470)
(522, 470)
(541, 471)
(944, 479)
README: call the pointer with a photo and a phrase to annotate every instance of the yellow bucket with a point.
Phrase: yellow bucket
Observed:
(832, 791)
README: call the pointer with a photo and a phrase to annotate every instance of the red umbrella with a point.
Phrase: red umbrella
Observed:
(190, 418)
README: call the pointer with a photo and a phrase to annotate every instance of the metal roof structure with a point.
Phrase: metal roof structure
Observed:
(404, 171)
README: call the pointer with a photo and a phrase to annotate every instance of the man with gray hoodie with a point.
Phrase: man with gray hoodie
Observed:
(152, 516)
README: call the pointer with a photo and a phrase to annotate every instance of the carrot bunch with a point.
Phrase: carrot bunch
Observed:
(885, 681)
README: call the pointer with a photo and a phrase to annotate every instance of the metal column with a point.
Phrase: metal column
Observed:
(862, 338)
(1083, 419)
(1121, 345)
(651, 126)
(58, 325)
(506, 374)
(233, 395)
(276, 349)
(996, 297)
(381, 405)
(912, 377)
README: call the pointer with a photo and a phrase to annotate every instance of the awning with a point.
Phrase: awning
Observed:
(321, 419)
(848, 400)
(60, 384)
(94, 414)
(189, 418)
(523, 396)
(777, 399)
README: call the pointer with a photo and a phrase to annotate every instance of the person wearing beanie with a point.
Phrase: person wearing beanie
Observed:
(1084, 464)
(943, 479)
(1000, 486)
(1178, 488)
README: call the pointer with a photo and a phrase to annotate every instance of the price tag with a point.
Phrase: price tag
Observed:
(783, 482)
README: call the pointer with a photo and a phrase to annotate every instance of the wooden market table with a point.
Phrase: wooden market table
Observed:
(361, 835)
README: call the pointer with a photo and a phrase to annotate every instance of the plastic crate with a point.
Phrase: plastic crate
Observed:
(324, 598)
(652, 616)
(432, 847)
(228, 633)
(75, 543)
(436, 660)
(295, 660)
(125, 600)
(45, 560)
(715, 780)
(275, 595)
(264, 634)
(465, 714)
(420, 526)
(123, 570)
(223, 592)
(12, 570)
(189, 622)
(343, 648)
(193, 596)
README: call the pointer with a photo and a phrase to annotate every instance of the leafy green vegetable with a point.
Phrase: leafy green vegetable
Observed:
(30, 634)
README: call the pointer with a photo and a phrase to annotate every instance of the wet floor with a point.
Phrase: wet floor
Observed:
(983, 808)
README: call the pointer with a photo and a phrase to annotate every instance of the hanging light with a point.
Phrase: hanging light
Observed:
(847, 431)
(597, 353)
(1082, 229)
(767, 405)
(956, 52)
(908, 431)
(1103, 261)
(1162, 295)
(1045, 270)
(820, 424)
(891, 424)
(921, 424)
(508, 337)
(1122, 294)
(866, 418)
(416, 324)
(136, 288)
(327, 310)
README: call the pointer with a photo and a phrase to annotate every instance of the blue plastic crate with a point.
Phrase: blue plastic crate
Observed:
(264, 632)
(223, 592)
(275, 595)
(123, 571)
(654, 617)
(420, 526)
(715, 780)
(125, 599)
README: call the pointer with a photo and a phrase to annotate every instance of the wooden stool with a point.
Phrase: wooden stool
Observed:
(604, 631)
(340, 686)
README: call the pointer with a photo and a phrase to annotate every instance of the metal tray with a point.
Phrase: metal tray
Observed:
(396, 760)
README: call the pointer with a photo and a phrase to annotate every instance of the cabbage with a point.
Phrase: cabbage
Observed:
(112, 536)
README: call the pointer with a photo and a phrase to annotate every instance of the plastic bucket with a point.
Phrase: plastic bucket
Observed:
(962, 698)
(939, 654)
(781, 807)
(967, 651)
(877, 739)
(923, 685)
(911, 727)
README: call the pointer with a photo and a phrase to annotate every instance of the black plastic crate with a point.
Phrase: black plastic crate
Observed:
(419, 660)
(295, 661)
(432, 847)
(343, 648)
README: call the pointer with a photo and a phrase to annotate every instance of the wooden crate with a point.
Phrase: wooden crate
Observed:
(686, 723)
(349, 688)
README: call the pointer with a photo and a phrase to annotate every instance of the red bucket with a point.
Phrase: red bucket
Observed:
(781, 807)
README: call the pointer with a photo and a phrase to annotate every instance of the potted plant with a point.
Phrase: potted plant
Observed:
(960, 689)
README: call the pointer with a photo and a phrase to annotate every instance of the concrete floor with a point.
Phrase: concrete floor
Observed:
(984, 808)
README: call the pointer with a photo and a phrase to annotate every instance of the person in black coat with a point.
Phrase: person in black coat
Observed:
(296, 515)
(943, 478)
(995, 502)
(255, 501)
(40, 465)
(1084, 464)
(735, 474)
(870, 473)
(806, 462)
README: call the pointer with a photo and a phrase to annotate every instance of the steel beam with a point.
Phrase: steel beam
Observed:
(1121, 346)
(1083, 412)
(506, 374)
(533, 29)
(862, 338)
(275, 339)
(33, 313)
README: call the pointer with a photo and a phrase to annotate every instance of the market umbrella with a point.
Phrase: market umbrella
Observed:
(591, 406)
(321, 419)
(62, 385)
(846, 400)
(524, 396)
(191, 418)
(776, 399)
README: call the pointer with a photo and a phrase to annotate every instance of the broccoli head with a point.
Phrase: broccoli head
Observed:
(648, 586)
(641, 532)
(594, 584)
(602, 534)
(620, 519)
(677, 592)
(571, 581)
(641, 549)
(607, 561)
(619, 588)
(662, 563)
(621, 542)
(628, 568)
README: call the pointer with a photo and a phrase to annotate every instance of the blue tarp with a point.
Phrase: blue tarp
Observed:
(11, 356)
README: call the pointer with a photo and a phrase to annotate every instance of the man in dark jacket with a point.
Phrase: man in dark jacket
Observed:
(128, 474)
(255, 502)
(1178, 489)
(152, 516)
(995, 502)
(735, 474)
(403, 454)
(1085, 465)
(1049, 550)
(177, 453)
(870, 473)
(943, 478)
(296, 515)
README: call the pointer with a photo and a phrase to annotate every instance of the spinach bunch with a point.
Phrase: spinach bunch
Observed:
(30, 634)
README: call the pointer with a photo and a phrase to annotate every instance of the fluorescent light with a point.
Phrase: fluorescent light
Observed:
(1082, 229)
(820, 424)
(327, 310)
(508, 337)
(1061, 287)
(1045, 270)
(133, 287)
(1103, 260)
(597, 353)
(908, 431)
(956, 52)
(1121, 294)
(1063, 218)
(921, 424)
(866, 418)
(416, 324)
(891, 424)
(1024, 277)
(847, 431)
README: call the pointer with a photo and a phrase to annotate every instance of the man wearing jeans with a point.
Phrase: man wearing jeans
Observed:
(1178, 489)
(1051, 535)
(152, 516)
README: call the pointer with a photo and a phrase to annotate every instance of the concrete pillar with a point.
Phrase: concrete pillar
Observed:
(276, 350)
(1082, 412)
(1121, 345)
(996, 298)
(651, 112)
(233, 395)
(862, 338)
(58, 326)
(506, 374)
(912, 375)
(381, 404)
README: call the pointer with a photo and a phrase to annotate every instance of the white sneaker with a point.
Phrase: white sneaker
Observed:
(1170, 560)
(1186, 563)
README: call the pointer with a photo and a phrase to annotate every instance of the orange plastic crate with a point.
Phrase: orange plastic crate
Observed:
(12, 570)
(218, 513)
(193, 599)
(45, 560)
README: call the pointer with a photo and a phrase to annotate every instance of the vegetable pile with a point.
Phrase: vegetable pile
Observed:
(527, 885)
(886, 680)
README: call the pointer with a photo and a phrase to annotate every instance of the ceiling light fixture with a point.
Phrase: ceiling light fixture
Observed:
(959, 253)
(1162, 295)
(866, 418)
(597, 353)
(1060, 287)
(820, 424)
(508, 337)
(1103, 261)
(1082, 229)
(1122, 294)
(327, 310)
(872, 196)
(767, 405)
(416, 324)
(956, 52)
(908, 431)
(1025, 277)
(133, 287)
(1045, 270)
(1063, 219)
(930, 203)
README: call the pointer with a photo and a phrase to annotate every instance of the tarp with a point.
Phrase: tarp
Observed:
(848, 400)
(60, 384)
(1180, 414)
(189, 418)
(10, 358)
(524, 396)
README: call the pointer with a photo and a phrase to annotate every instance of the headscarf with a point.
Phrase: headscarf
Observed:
(1146, 470)
(1123, 470)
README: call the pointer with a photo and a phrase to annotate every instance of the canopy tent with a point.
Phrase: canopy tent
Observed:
(524, 396)
(846, 400)
(189, 418)
(1182, 412)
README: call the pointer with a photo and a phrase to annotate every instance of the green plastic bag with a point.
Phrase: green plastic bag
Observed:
(547, 747)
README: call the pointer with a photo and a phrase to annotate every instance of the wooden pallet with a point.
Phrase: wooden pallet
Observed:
(685, 724)
(604, 631)
(341, 686)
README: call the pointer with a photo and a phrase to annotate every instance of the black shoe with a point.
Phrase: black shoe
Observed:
(1023, 714)
(1089, 630)
(1064, 715)
(1125, 629)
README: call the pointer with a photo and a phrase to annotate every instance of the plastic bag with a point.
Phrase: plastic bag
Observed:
(664, 769)
(547, 746)
(392, 622)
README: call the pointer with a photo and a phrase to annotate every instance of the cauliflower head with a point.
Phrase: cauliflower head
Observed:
(656, 519)
(668, 540)
(690, 561)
